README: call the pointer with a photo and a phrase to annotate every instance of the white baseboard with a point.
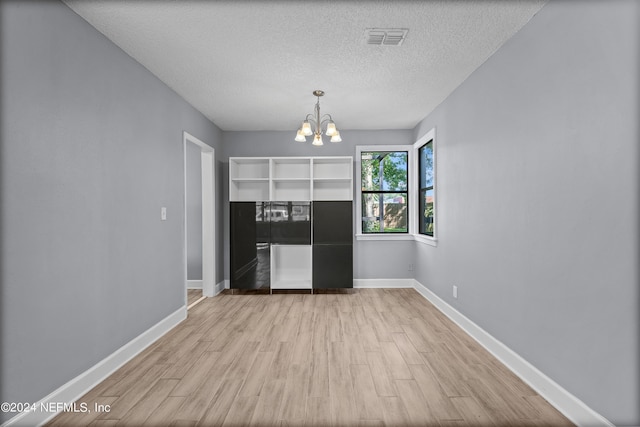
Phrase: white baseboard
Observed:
(383, 283)
(572, 407)
(212, 291)
(194, 284)
(221, 286)
(77, 387)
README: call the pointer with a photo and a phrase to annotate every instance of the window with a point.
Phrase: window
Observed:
(384, 190)
(425, 189)
(424, 225)
(397, 186)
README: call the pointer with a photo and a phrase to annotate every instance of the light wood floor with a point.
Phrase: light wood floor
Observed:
(193, 295)
(368, 357)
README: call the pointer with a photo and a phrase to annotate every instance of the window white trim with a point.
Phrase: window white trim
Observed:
(412, 187)
(383, 236)
(413, 195)
(358, 225)
(427, 240)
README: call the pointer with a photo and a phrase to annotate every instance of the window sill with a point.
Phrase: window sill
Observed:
(403, 236)
(431, 241)
(417, 237)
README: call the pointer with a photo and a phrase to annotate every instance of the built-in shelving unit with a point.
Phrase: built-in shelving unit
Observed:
(291, 267)
(290, 178)
(249, 179)
(298, 258)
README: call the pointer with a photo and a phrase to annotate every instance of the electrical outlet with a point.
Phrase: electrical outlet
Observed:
(163, 214)
(410, 267)
(455, 291)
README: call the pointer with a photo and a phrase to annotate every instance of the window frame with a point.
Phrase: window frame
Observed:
(422, 191)
(358, 217)
(430, 136)
(414, 177)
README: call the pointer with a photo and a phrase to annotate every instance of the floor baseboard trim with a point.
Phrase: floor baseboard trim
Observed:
(196, 302)
(194, 284)
(221, 286)
(383, 283)
(569, 405)
(213, 290)
(80, 385)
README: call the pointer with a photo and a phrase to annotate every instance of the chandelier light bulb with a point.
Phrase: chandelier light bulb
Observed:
(331, 129)
(300, 136)
(306, 128)
(336, 137)
(317, 140)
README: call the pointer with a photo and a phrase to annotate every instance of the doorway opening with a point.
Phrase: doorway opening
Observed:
(199, 228)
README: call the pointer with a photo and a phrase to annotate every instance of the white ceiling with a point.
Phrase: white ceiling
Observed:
(252, 65)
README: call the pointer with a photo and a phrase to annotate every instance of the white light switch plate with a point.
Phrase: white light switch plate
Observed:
(163, 214)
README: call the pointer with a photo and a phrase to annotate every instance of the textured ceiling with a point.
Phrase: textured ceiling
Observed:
(252, 65)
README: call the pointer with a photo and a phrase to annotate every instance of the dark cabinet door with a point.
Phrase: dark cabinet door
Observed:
(333, 222)
(243, 237)
(291, 223)
(332, 244)
(332, 266)
(249, 245)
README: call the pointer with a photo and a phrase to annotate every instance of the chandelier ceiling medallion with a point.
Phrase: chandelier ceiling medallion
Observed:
(318, 122)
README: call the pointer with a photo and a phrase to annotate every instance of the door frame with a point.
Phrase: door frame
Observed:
(207, 158)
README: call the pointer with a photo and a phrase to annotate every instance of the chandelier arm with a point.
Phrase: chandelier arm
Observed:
(326, 118)
(311, 120)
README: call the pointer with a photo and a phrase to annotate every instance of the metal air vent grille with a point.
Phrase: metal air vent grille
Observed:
(385, 36)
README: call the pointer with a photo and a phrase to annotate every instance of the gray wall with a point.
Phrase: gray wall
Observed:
(91, 147)
(194, 212)
(538, 200)
(537, 207)
(372, 259)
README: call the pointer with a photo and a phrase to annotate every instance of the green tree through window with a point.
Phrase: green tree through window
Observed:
(425, 195)
(384, 191)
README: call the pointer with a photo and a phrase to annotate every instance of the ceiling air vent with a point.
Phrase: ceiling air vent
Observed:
(385, 36)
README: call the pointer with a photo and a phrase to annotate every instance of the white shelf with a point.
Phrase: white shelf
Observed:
(291, 267)
(248, 179)
(249, 167)
(298, 190)
(332, 178)
(332, 168)
(337, 189)
(249, 190)
(291, 167)
(290, 178)
(292, 284)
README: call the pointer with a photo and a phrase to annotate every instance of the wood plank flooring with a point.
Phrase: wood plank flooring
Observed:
(365, 357)
(193, 295)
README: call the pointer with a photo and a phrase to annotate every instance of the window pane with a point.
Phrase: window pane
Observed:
(392, 207)
(384, 170)
(370, 213)
(426, 165)
(426, 212)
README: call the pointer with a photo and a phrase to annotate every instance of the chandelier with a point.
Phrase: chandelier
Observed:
(318, 122)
